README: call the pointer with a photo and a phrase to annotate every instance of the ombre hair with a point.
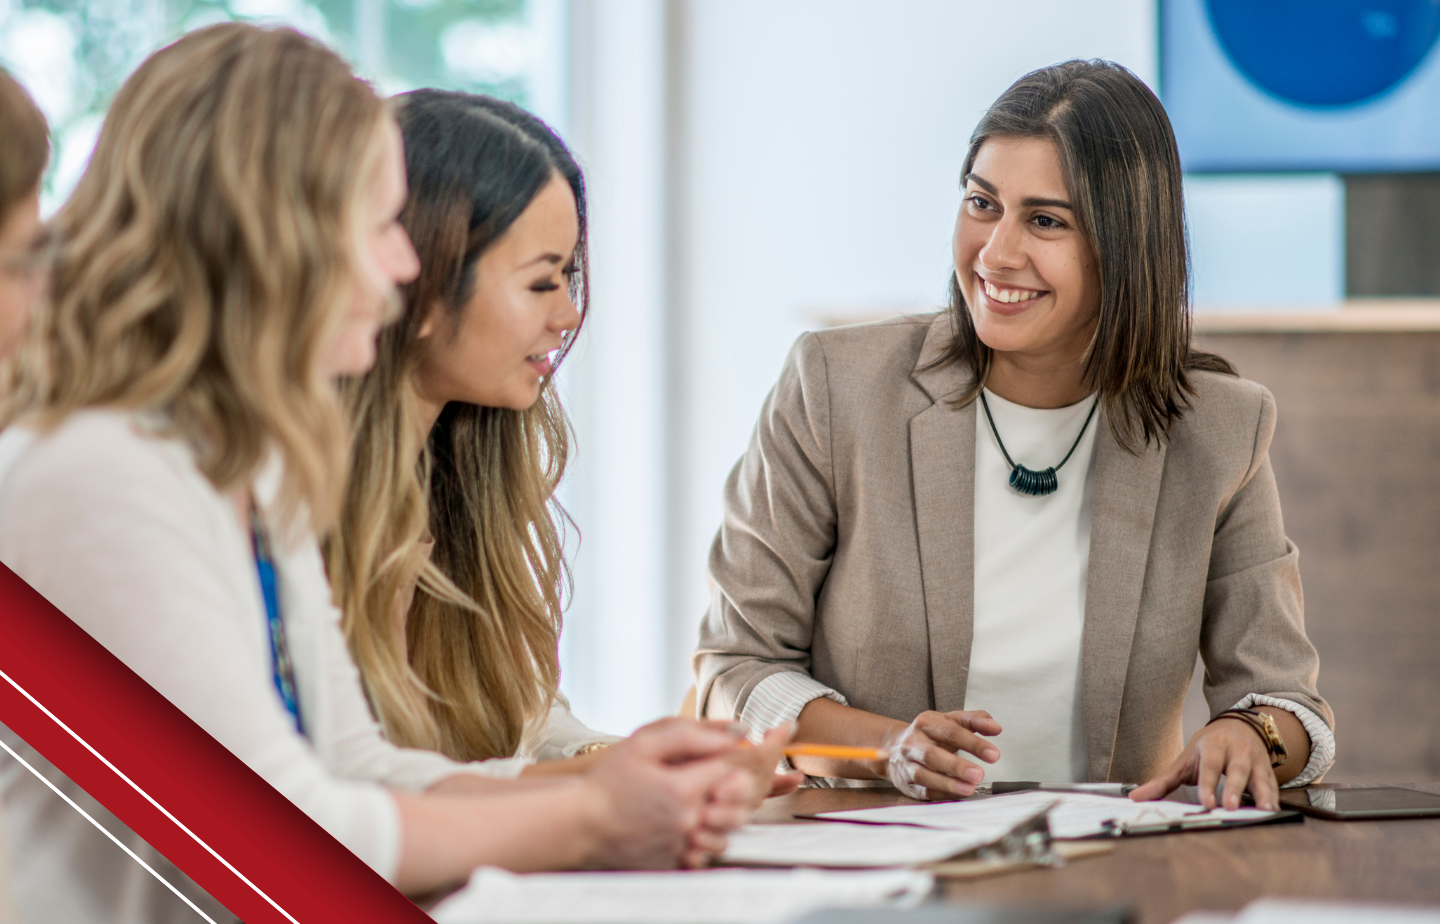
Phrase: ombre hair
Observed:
(1122, 171)
(207, 259)
(478, 660)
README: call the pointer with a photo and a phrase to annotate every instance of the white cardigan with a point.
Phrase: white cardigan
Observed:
(119, 529)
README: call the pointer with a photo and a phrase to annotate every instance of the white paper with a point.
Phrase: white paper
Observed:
(721, 896)
(1077, 814)
(846, 845)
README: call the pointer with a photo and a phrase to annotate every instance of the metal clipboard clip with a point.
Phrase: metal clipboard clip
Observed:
(1157, 822)
(1028, 842)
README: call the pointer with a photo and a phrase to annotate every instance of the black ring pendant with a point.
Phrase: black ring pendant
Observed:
(1029, 481)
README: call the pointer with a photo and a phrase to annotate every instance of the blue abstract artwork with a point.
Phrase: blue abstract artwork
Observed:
(1309, 85)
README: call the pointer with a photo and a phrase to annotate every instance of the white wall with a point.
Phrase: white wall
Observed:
(613, 646)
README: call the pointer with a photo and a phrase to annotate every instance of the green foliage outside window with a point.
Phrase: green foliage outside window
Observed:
(74, 54)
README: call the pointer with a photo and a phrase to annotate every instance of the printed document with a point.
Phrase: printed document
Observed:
(718, 896)
(1075, 815)
(821, 844)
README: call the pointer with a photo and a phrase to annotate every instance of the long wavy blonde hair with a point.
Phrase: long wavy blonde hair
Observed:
(206, 259)
(477, 661)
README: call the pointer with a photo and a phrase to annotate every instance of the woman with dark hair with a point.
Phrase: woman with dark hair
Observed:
(24, 151)
(447, 560)
(1005, 531)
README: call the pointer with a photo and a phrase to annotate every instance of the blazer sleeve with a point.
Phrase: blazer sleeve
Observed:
(1252, 639)
(775, 544)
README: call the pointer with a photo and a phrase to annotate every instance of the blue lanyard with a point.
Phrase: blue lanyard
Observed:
(279, 648)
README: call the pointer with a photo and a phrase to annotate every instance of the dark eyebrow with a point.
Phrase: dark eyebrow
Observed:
(1030, 203)
(553, 258)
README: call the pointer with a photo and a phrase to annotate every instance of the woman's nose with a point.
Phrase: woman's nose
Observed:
(1005, 249)
(567, 318)
(404, 262)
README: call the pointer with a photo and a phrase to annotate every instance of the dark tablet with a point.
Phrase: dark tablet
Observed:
(1380, 802)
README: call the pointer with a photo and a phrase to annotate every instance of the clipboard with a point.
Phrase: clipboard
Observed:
(1141, 828)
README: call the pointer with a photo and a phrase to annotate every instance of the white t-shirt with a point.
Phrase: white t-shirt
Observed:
(1032, 554)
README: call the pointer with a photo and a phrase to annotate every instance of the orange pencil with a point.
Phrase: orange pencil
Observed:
(835, 750)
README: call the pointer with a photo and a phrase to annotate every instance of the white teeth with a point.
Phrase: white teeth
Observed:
(1009, 296)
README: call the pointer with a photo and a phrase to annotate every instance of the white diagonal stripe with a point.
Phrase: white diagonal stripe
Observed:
(131, 783)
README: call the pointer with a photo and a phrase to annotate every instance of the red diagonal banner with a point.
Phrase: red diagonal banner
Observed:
(169, 781)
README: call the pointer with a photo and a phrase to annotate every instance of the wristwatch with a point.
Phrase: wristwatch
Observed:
(1265, 727)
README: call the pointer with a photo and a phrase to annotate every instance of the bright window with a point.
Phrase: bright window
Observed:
(74, 54)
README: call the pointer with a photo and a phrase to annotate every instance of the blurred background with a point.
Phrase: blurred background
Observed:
(763, 168)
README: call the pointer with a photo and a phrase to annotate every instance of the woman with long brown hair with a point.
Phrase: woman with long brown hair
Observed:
(1004, 531)
(447, 560)
(176, 442)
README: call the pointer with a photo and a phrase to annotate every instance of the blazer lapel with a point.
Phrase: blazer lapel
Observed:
(1122, 514)
(942, 459)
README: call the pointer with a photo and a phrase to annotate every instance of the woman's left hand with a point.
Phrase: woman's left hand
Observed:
(1226, 746)
(762, 760)
(734, 799)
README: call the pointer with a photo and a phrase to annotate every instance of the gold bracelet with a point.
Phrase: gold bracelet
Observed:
(591, 748)
(1264, 726)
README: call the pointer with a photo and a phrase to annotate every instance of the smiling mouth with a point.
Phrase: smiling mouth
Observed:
(1009, 296)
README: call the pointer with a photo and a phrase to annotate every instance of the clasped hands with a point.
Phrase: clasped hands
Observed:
(670, 792)
(925, 761)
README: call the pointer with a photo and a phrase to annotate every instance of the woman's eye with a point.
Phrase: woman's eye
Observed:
(979, 203)
(544, 286)
(1045, 221)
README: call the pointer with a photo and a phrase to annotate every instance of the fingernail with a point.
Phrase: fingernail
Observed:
(974, 774)
(991, 755)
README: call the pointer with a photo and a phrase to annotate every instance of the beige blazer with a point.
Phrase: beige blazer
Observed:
(847, 551)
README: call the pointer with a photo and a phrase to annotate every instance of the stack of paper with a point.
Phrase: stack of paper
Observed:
(1075, 815)
(820, 844)
(722, 896)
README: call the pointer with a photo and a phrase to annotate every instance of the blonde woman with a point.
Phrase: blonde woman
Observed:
(447, 562)
(177, 441)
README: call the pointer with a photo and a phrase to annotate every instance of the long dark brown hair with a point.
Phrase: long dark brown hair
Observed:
(479, 660)
(1122, 171)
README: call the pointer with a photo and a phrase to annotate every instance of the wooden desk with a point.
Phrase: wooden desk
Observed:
(1166, 876)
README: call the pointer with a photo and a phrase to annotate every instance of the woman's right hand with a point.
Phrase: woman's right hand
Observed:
(664, 796)
(925, 761)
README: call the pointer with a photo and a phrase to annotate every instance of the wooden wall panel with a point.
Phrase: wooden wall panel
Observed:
(1357, 458)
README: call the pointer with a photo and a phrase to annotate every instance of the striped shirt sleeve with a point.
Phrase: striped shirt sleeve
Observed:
(779, 698)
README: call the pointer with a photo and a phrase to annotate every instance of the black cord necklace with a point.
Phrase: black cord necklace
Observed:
(1027, 480)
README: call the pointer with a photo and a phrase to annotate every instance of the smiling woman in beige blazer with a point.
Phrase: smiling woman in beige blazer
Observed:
(879, 580)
